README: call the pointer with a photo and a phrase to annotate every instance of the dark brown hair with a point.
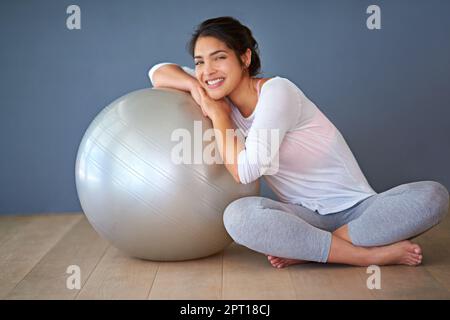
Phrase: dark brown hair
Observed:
(236, 36)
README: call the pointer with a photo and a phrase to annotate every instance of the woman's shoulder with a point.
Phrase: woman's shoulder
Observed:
(264, 80)
(277, 83)
(276, 80)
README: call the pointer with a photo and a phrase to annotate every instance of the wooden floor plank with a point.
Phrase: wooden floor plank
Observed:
(409, 283)
(81, 246)
(330, 281)
(189, 280)
(22, 251)
(118, 276)
(249, 275)
(11, 225)
(436, 252)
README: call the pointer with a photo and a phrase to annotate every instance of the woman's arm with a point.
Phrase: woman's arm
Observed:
(279, 108)
(171, 75)
(229, 145)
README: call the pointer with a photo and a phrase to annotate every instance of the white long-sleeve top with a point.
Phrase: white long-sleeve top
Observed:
(314, 166)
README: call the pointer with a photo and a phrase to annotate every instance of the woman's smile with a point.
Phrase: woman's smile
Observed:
(215, 83)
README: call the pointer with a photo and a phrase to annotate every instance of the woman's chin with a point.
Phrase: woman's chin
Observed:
(216, 95)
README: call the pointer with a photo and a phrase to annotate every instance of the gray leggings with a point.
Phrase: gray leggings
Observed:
(293, 231)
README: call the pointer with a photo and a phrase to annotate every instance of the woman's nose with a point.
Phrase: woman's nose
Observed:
(209, 69)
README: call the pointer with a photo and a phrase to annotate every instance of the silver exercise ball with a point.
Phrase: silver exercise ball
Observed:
(136, 196)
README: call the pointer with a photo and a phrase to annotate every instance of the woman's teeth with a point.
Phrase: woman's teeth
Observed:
(215, 82)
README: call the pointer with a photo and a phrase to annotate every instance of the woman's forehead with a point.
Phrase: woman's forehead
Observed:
(208, 45)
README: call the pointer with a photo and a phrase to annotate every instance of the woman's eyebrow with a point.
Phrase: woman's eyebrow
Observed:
(211, 54)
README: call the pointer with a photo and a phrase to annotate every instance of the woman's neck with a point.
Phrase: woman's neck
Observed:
(245, 96)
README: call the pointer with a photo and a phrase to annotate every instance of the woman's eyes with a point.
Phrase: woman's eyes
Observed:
(215, 59)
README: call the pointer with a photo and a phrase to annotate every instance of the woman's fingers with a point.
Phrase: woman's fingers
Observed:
(204, 99)
(210, 105)
(198, 99)
(202, 93)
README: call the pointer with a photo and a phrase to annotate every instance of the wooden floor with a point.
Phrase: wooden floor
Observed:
(35, 252)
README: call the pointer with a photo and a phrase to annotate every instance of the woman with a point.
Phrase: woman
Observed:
(327, 210)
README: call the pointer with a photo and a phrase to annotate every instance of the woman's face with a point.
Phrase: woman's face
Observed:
(214, 60)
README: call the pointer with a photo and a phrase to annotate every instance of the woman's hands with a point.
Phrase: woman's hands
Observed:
(196, 94)
(211, 108)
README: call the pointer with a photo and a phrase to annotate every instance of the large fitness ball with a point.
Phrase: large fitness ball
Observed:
(133, 192)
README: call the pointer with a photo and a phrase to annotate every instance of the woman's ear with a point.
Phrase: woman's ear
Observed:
(247, 58)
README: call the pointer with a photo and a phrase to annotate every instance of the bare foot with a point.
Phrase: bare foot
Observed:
(403, 252)
(278, 262)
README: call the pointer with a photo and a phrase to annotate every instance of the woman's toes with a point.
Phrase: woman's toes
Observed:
(414, 261)
(278, 263)
(416, 249)
(275, 262)
(411, 261)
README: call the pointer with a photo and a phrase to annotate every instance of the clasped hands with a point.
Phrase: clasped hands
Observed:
(211, 108)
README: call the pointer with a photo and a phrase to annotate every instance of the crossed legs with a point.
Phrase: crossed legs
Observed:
(374, 231)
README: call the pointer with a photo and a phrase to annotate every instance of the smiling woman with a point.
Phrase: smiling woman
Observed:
(327, 211)
(237, 38)
(226, 58)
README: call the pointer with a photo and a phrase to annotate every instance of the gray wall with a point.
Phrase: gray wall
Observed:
(386, 90)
